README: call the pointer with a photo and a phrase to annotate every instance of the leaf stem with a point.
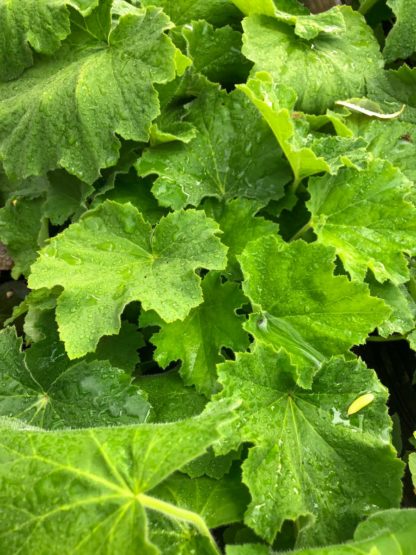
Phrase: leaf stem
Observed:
(177, 513)
(379, 339)
(301, 231)
(366, 6)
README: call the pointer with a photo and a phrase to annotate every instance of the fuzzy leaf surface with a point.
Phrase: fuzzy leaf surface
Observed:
(90, 490)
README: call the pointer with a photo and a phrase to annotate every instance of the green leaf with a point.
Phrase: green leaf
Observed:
(170, 399)
(366, 217)
(219, 502)
(331, 67)
(44, 392)
(217, 12)
(397, 297)
(90, 490)
(276, 104)
(91, 90)
(233, 154)
(412, 467)
(23, 229)
(198, 340)
(401, 41)
(239, 214)
(307, 26)
(216, 53)
(113, 257)
(388, 532)
(391, 140)
(395, 88)
(31, 24)
(301, 306)
(305, 437)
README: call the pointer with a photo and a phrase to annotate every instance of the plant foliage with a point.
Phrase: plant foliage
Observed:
(206, 208)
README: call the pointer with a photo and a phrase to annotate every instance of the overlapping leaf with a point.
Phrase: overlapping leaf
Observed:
(233, 154)
(387, 532)
(301, 306)
(307, 154)
(401, 41)
(90, 490)
(27, 24)
(304, 437)
(198, 340)
(330, 67)
(113, 257)
(67, 109)
(366, 217)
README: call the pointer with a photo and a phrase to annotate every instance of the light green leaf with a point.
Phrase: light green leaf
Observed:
(198, 340)
(412, 467)
(27, 24)
(269, 7)
(304, 437)
(233, 154)
(307, 154)
(388, 532)
(48, 393)
(397, 297)
(90, 490)
(239, 214)
(216, 53)
(217, 12)
(394, 88)
(366, 217)
(67, 109)
(401, 41)
(392, 140)
(301, 306)
(219, 502)
(113, 257)
(329, 68)
(306, 26)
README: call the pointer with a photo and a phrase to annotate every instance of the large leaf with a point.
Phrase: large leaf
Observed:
(303, 438)
(112, 257)
(30, 23)
(388, 532)
(330, 67)
(365, 215)
(198, 340)
(90, 490)
(49, 394)
(67, 109)
(301, 306)
(233, 154)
